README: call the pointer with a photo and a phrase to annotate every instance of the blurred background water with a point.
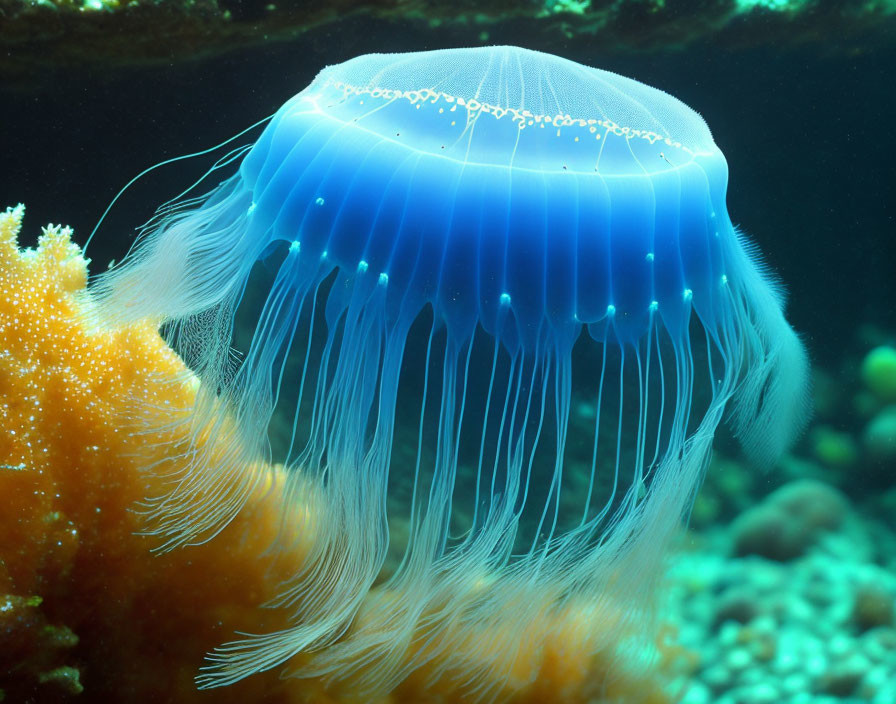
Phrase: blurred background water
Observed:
(785, 586)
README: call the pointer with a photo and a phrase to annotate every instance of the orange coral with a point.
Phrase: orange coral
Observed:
(83, 592)
(86, 610)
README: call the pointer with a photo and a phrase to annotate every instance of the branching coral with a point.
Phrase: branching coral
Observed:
(86, 609)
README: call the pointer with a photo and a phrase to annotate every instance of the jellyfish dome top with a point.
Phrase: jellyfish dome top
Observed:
(490, 310)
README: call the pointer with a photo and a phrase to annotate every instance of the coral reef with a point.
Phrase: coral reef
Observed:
(88, 613)
(83, 602)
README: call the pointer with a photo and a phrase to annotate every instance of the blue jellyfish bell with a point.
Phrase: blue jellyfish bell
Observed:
(502, 314)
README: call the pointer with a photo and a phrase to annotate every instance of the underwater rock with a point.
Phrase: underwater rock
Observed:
(843, 679)
(105, 34)
(873, 606)
(737, 605)
(789, 520)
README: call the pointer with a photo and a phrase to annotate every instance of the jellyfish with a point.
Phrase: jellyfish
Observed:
(487, 310)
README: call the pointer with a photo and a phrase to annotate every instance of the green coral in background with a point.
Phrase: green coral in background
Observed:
(879, 372)
(775, 5)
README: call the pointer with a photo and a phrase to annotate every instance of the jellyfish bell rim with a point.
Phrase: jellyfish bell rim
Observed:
(570, 114)
(711, 157)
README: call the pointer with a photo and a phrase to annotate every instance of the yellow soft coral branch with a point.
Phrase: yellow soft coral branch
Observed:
(85, 607)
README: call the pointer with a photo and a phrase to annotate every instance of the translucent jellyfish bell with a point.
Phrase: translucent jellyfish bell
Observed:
(504, 313)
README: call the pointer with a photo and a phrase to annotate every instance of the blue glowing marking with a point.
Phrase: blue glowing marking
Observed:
(654, 305)
(251, 209)
(505, 299)
(319, 201)
(295, 246)
(650, 256)
(362, 266)
(611, 310)
(384, 279)
(724, 279)
(688, 294)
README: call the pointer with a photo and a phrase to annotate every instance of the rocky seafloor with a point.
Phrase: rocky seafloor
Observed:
(791, 597)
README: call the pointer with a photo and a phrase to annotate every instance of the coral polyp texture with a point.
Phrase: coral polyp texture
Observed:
(83, 603)
(88, 613)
